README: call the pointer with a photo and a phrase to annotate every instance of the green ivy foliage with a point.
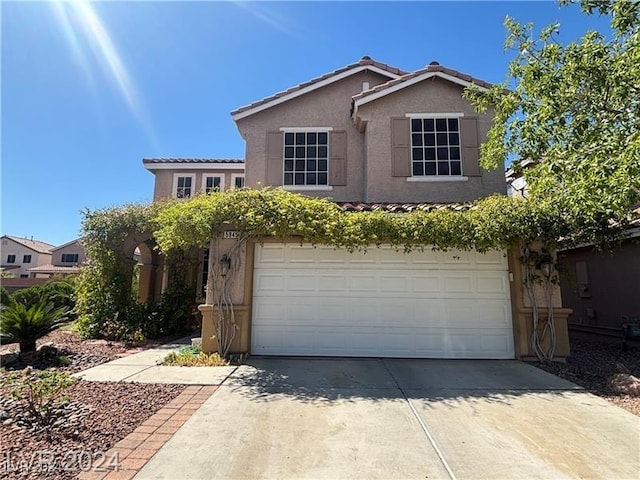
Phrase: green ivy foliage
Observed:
(106, 307)
(494, 222)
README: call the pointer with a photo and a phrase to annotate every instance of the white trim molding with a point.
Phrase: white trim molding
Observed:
(437, 178)
(194, 166)
(174, 188)
(232, 183)
(434, 115)
(408, 83)
(205, 176)
(308, 188)
(310, 88)
(306, 129)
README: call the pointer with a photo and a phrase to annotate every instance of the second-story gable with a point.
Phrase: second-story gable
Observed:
(399, 137)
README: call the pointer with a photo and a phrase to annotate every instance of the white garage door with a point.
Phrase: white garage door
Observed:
(382, 303)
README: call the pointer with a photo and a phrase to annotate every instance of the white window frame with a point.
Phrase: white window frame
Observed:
(436, 177)
(174, 189)
(24, 258)
(221, 176)
(10, 259)
(232, 184)
(320, 187)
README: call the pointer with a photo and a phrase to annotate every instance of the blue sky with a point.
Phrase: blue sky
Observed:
(88, 91)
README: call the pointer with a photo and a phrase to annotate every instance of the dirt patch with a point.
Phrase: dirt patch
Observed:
(593, 363)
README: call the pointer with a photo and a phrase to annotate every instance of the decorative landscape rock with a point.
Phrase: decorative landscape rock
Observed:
(625, 383)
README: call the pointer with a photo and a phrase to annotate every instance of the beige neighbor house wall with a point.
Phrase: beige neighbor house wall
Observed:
(329, 106)
(68, 249)
(430, 96)
(11, 247)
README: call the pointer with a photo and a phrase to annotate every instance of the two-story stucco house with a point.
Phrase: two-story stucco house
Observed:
(371, 136)
(65, 260)
(19, 255)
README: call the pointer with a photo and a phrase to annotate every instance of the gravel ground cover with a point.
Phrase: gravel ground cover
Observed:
(81, 354)
(593, 362)
(97, 415)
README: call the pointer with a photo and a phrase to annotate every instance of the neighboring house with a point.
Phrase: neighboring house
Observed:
(370, 137)
(602, 287)
(65, 260)
(20, 254)
(185, 177)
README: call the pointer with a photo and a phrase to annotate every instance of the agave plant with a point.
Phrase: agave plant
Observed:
(26, 324)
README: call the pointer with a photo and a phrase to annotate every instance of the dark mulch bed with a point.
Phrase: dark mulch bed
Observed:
(98, 415)
(593, 362)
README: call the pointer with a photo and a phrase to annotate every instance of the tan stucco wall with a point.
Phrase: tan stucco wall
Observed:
(14, 248)
(163, 186)
(429, 96)
(329, 106)
(74, 247)
(522, 313)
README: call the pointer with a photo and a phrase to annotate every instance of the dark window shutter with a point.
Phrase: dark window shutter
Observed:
(400, 147)
(338, 158)
(274, 158)
(470, 146)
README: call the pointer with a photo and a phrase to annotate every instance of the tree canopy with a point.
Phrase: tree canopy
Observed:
(575, 111)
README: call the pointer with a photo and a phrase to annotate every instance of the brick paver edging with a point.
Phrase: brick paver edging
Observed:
(137, 448)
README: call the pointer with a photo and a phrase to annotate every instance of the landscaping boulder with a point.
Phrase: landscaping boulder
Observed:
(625, 383)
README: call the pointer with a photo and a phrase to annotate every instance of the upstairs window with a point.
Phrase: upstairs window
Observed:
(306, 158)
(213, 183)
(435, 147)
(11, 259)
(70, 258)
(26, 259)
(237, 180)
(184, 185)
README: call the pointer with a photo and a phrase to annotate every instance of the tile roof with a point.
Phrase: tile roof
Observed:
(402, 207)
(192, 160)
(433, 67)
(54, 269)
(35, 245)
(363, 62)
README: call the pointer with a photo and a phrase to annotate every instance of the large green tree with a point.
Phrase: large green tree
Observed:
(574, 110)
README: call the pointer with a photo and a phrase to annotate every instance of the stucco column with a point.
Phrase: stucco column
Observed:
(522, 313)
(146, 282)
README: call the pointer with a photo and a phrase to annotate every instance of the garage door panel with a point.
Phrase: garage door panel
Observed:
(382, 303)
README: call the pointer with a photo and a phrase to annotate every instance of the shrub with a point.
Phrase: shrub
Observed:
(26, 324)
(40, 392)
(193, 357)
(60, 292)
(5, 297)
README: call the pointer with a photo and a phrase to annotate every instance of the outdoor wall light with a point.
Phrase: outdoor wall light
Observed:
(225, 264)
(545, 265)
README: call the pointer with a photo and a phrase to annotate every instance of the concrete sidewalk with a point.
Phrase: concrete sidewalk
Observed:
(143, 367)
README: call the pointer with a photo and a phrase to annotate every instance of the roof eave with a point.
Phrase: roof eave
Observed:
(246, 111)
(357, 102)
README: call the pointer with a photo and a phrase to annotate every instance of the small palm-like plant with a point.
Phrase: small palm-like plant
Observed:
(26, 324)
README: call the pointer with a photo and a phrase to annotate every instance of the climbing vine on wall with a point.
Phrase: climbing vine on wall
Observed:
(179, 226)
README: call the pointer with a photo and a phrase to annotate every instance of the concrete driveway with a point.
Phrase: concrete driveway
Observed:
(286, 418)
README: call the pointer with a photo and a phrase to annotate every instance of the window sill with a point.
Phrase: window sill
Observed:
(436, 178)
(308, 188)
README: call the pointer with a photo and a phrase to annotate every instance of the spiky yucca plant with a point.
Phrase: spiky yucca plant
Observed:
(26, 324)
